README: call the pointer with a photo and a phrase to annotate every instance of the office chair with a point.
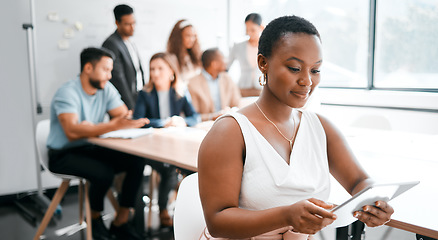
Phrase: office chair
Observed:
(42, 132)
(188, 219)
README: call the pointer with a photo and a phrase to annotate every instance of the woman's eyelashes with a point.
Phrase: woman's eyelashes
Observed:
(316, 71)
(297, 69)
(294, 69)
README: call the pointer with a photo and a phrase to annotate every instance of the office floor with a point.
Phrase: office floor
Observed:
(15, 226)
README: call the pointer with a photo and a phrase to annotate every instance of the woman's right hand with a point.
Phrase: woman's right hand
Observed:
(310, 216)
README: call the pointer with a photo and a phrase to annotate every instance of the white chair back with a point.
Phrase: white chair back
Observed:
(42, 133)
(188, 219)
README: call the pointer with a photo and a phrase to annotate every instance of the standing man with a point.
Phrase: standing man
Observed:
(127, 73)
(213, 92)
(77, 112)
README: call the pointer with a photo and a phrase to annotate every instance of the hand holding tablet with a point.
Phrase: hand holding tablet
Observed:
(368, 196)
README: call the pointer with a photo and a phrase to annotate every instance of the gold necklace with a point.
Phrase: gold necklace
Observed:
(287, 139)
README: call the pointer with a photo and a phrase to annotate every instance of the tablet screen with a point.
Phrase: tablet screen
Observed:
(368, 196)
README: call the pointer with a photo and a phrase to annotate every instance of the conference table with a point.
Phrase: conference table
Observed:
(174, 146)
(387, 156)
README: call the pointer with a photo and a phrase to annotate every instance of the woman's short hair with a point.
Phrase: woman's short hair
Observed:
(279, 27)
(255, 18)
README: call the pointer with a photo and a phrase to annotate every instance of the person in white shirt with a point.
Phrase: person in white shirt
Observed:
(246, 54)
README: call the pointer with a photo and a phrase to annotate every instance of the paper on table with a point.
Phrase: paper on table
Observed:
(127, 133)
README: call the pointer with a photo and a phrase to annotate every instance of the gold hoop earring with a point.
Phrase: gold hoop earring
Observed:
(262, 80)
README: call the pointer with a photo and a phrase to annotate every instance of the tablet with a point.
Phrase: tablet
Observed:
(368, 196)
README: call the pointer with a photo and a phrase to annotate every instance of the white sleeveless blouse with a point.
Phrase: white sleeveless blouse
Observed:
(268, 181)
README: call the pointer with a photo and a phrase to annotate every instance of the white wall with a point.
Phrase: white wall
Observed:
(17, 150)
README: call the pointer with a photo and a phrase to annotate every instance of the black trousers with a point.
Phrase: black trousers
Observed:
(99, 166)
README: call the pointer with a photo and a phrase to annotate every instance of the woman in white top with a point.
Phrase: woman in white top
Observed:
(264, 170)
(246, 54)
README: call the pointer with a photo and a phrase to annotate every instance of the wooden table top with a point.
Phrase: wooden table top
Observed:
(175, 146)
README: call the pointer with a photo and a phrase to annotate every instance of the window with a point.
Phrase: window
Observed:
(406, 53)
(406, 31)
(343, 26)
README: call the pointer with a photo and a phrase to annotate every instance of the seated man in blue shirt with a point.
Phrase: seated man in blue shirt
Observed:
(77, 112)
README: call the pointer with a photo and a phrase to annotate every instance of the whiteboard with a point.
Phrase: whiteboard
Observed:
(59, 41)
(55, 66)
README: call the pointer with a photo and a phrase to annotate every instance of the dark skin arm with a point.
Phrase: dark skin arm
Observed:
(346, 170)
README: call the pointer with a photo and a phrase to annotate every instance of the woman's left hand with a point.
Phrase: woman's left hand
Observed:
(374, 216)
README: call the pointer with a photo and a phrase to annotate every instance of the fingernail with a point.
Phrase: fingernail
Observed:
(378, 204)
(366, 208)
(356, 214)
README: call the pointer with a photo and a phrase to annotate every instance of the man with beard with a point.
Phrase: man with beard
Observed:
(127, 74)
(77, 112)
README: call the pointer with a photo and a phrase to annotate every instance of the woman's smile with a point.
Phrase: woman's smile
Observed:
(301, 93)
